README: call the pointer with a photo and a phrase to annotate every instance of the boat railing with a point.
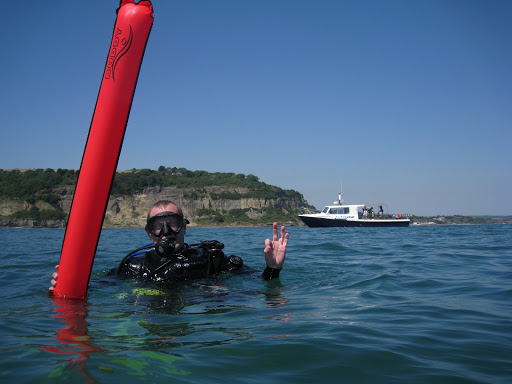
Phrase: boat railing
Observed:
(384, 216)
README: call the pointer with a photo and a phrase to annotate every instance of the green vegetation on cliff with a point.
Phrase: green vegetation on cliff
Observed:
(130, 182)
(33, 184)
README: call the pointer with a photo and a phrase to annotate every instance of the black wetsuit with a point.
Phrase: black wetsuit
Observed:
(192, 262)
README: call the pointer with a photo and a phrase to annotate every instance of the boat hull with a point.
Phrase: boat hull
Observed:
(316, 222)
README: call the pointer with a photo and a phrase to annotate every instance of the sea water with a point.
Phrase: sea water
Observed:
(424, 304)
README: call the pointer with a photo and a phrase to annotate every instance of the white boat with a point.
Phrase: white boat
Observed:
(358, 215)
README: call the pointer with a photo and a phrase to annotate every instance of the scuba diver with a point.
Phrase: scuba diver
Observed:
(168, 258)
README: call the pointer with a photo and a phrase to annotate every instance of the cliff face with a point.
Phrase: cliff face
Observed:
(125, 210)
(10, 207)
(131, 210)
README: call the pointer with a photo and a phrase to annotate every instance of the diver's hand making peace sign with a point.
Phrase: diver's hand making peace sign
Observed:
(275, 250)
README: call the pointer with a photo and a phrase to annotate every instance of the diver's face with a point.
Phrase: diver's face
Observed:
(179, 237)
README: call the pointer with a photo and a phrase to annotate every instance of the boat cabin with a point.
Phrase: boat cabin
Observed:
(344, 211)
(351, 212)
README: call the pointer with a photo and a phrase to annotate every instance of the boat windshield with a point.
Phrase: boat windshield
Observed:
(325, 210)
(339, 211)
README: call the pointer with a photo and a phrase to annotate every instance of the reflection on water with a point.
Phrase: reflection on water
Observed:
(73, 336)
(158, 320)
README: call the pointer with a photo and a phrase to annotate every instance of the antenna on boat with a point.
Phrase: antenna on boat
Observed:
(340, 196)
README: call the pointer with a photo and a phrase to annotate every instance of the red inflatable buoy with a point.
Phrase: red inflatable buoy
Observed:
(103, 147)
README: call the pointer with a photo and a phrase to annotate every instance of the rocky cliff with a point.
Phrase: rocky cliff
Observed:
(201, 206)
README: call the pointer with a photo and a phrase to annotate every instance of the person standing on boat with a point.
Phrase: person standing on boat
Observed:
(168, 258)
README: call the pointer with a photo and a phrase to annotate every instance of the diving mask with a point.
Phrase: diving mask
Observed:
(163, 229)
(165, 224)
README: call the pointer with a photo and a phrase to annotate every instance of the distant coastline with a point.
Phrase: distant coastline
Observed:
(460, 220)
(415, 221)
(41, 198)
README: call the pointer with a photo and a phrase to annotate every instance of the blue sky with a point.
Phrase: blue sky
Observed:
(407, 103)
